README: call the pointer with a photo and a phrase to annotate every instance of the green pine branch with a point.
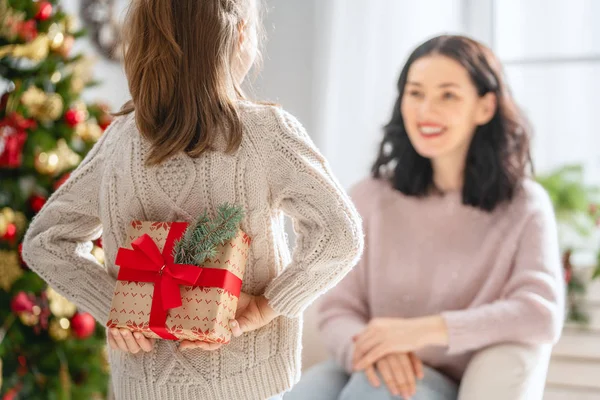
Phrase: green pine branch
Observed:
(201, 239)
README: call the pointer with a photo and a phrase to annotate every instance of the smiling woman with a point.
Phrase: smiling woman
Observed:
(461, 247)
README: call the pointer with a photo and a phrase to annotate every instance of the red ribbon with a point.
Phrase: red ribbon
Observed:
(13, 135)
(145, 263)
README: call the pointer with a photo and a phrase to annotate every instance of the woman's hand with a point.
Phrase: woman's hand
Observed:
(399, 372)
(127, 341)
(253, 312)
(385, 336)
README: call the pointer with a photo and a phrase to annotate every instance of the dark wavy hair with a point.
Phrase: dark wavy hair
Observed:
(498, 158)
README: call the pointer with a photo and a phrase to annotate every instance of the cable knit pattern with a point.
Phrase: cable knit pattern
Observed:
(277, 170)
(494, 277)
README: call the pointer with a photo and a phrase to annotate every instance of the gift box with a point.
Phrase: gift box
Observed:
(165, 300)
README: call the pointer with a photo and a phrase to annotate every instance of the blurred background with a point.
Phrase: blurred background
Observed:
(334, 64)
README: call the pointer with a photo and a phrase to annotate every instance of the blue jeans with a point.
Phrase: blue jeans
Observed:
(329, 381)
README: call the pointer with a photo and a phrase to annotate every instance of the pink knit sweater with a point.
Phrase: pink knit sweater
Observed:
(495, 277)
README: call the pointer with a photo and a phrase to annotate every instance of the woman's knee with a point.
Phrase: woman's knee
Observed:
(324, 381)
(435, 386)
(359, 388)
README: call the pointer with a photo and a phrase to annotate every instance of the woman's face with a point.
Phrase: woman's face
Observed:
(441, 108)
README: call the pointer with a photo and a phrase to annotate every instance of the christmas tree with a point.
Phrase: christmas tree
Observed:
(48, 349)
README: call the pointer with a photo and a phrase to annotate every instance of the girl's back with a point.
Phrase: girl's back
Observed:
(275, 160)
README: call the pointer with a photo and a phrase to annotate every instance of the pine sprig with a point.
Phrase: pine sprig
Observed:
(201, 239)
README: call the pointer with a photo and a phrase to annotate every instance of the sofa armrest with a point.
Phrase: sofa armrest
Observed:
(506, 371)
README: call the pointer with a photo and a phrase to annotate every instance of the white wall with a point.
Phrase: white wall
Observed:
(288, 70)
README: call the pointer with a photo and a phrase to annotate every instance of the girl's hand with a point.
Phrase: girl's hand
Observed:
(253, 312)
(400, 373)
(385, 336)
(129, 342)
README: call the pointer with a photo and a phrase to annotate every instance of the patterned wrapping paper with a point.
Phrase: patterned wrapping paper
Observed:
(205, 311)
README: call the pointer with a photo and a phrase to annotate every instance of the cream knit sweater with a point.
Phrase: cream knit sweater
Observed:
(276, 170)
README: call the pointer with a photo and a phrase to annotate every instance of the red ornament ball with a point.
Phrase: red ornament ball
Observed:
(74, 117)
(27, 30)
(22, 302)
(11, 394)
(11, 233)
(37, 202)
(83, 325)
(44, 11)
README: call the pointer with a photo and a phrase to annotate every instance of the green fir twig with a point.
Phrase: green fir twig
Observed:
(201, 239)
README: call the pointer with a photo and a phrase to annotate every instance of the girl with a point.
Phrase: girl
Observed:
(189, 141)
(462, 246)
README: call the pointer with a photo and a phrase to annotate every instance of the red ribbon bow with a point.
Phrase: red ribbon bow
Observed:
(145, 263)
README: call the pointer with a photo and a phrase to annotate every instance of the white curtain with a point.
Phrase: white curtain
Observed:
(361, 47)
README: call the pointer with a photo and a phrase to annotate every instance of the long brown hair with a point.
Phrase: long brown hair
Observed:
(179, 62)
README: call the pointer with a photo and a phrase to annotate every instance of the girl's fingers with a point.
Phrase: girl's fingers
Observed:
(144, 343)
(116, 335)
(130, 341)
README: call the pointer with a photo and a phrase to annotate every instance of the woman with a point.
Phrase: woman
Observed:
(461, 245)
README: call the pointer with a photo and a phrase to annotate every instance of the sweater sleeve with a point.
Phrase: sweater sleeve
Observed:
(328, 230)
(532, 307)
(57, 244)
(344, 312)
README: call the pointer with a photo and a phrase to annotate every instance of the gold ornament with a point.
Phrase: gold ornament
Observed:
(9, 214)
(70, 24)
(10, 269)
(66, 46)
(20, 220)
(82, 69)
(57, 332)
(37, 50)
(41, 105)
(64, 323)
(53, 108)
(46, 163)
(10, 22)
(34, 97)
(59, 306)
(67, 157)
(77, 85)
(98, 253)
(56, 77)
(55, 36)
(88, 131)
(58, 160)
(29, 319)
(82, 108)
(3, 225)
